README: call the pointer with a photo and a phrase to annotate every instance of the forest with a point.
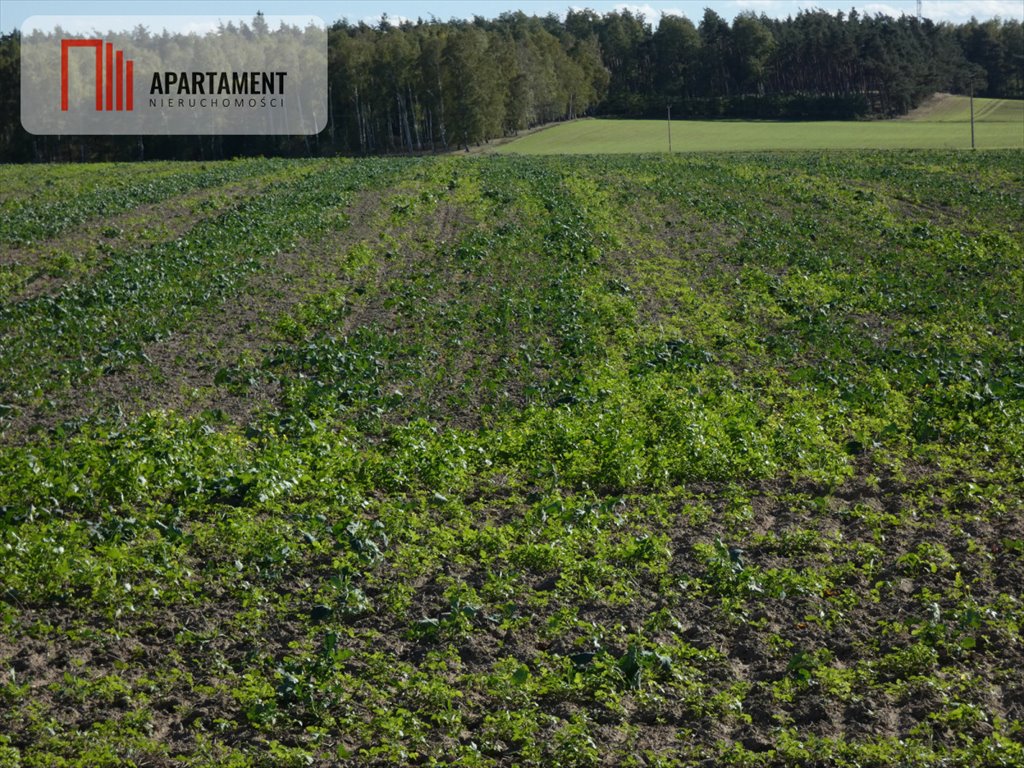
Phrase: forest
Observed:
(430, 85)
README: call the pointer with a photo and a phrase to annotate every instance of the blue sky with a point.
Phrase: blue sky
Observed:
(14, 12)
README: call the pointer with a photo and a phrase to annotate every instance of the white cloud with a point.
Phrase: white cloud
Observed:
(962, 10)
(956, 11)
(394, 20)
(759, 5)
(649, 12)
(871, 9)
(185, 25)
(87, 25)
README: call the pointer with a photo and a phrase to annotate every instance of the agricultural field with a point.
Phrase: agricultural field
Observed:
(947, 108)
(507, 461)
(943, 124)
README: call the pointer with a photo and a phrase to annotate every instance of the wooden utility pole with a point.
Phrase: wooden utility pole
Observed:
(975, 79)
(670, 129)
(972, 113)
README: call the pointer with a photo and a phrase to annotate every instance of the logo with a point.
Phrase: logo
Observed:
(174, 75)
(120, 87)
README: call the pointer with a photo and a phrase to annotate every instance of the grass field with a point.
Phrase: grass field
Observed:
(947, 108)
(506, 461)
(999, 124)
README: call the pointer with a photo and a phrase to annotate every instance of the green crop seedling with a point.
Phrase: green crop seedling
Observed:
(509, 461)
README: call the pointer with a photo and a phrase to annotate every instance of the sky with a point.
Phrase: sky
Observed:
(14, 12)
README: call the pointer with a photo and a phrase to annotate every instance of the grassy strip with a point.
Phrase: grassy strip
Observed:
(649, 136)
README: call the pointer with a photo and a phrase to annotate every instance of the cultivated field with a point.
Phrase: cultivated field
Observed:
(947, 108)
(999, 124)
(706, 460)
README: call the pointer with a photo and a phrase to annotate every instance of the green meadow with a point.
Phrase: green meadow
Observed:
(999, 124)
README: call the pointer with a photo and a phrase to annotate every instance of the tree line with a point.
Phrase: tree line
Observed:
(429, 86)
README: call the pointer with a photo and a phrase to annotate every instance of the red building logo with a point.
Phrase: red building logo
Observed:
(119, 91)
